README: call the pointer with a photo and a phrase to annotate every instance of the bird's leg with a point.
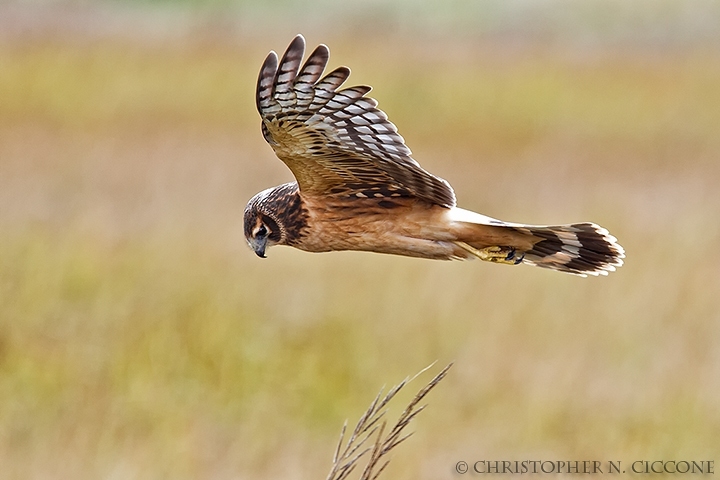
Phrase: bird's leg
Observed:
(494, 254)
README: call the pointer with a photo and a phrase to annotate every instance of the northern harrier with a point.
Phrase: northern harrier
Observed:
(358, 188)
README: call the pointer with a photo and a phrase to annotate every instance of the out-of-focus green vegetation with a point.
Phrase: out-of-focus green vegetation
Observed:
(139, 337)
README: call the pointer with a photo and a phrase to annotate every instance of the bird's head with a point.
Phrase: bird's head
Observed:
(262, 227)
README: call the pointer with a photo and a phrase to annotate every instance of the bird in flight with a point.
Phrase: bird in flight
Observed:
(358, 188)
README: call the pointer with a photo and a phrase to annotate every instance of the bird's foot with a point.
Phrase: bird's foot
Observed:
(506, 255)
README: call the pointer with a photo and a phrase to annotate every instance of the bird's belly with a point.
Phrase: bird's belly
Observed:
(394, 232)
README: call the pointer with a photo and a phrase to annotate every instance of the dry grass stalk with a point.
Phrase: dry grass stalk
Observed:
(372, 425)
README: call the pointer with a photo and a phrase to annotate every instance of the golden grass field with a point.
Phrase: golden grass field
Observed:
(141, 338)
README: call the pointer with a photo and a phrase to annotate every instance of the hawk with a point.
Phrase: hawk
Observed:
(358, 188)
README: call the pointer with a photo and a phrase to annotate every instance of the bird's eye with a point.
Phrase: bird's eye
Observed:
(262, 231)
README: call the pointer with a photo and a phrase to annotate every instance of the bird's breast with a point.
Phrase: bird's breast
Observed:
(401, 226)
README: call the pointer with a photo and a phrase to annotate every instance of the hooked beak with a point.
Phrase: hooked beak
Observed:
(259, 245)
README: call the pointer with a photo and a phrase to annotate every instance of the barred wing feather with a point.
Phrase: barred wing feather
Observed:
(337, 142)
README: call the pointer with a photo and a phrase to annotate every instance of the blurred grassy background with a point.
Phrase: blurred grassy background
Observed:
(141, 338)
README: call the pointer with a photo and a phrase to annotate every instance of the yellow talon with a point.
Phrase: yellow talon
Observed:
(493, 254)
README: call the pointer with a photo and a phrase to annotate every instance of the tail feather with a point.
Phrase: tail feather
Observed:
(581, 249)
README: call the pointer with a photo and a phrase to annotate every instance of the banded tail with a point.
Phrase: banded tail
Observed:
(581, 248)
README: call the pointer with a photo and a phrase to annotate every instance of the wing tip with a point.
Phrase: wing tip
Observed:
(321, 52)
(297, 43)
(289, 65)
(343, 70)
(266, 80)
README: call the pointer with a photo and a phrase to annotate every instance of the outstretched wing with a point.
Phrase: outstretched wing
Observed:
(337, 142)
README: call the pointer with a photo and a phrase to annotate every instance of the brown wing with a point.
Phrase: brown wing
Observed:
(337, 142)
